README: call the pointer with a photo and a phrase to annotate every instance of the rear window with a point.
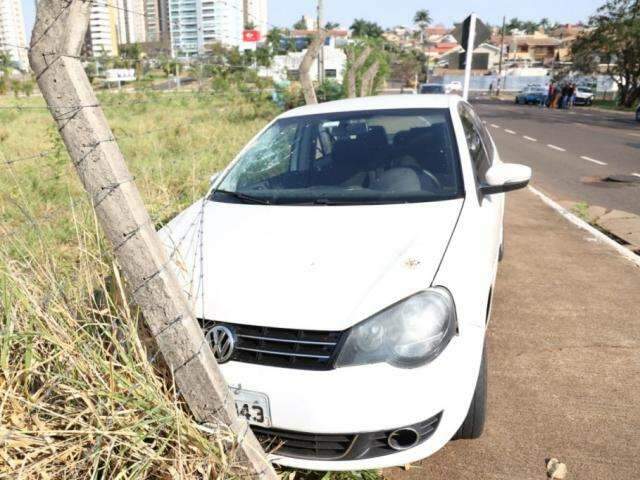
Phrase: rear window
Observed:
(386, 156)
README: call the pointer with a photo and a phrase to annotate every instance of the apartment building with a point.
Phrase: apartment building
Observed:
(157, 20)
(255, 13)
(131, 25)
(102, 35)
(194, 24)
(12, 34)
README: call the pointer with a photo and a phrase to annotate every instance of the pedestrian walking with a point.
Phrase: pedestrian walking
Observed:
(491, 88)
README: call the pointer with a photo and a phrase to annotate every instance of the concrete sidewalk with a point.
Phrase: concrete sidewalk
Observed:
(564, 359)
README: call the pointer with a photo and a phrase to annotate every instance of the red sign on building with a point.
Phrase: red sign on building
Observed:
(251, 36)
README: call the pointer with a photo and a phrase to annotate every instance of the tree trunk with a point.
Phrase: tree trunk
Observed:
(54, 57)
(356, 64)
(305, 67)
(366, 88)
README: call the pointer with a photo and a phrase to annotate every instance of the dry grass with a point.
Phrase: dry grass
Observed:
(80, 396)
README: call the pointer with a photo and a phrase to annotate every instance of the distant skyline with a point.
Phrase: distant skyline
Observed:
(389, 13)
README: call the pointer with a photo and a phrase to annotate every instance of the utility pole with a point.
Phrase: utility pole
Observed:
(469, 56)
(152, 284)
(504, 19)
(321, 52)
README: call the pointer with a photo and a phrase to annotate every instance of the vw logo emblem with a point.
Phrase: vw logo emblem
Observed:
(222, 343)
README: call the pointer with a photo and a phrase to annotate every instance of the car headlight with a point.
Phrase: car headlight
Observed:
(408, 334)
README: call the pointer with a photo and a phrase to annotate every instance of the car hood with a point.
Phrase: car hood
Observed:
(306, 267)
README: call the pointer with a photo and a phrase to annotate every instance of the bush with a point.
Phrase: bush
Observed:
(329, 90)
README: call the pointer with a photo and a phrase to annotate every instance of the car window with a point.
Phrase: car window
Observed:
(362, 157)
(473, 131)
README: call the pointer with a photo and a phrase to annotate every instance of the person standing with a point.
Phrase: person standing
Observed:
(566, 90)
(551, 90)
(572, 95)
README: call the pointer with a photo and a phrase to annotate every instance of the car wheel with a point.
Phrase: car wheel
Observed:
(473, 424)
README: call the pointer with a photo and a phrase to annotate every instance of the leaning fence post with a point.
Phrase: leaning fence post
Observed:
(54, 56)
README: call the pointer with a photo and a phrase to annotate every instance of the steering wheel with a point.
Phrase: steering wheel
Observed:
(432, 178)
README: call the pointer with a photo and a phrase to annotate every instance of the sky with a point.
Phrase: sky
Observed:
(389, 13)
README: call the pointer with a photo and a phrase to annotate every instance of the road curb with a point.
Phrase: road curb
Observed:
(598, 235)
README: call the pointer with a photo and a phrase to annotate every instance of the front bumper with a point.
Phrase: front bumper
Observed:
(368, 399)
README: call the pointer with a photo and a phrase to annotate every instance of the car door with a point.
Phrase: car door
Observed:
(490, 207)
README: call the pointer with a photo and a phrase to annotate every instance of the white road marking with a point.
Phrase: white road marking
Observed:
(560, 149)
(495, 126)
(593, 160)
(510, 131)
(531, 139)
(636, 174)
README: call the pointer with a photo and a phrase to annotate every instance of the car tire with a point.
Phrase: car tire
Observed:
(473, 424)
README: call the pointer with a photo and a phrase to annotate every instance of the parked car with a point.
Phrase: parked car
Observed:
(454, 87)
(638, 114)
(432, 88)
(584, 96)
(342, 268)
(531, 95)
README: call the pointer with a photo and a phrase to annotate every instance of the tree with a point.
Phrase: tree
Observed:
(300, 24)
(545, 24)
(367, 67)
(422, 18)
(249, 25)
(361, 28)
(308, 59)
(331, 25)
(613, 39)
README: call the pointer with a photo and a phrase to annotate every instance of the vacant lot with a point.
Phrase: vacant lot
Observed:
(80, 394)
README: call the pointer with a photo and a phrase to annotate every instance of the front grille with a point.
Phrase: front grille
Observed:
(304, 445)
(347, 446)
(282, 347)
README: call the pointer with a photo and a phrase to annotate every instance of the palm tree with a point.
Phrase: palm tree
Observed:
(422, 18)
(274, 39)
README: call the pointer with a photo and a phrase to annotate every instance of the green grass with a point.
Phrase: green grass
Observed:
(612, 105)
(79, 394)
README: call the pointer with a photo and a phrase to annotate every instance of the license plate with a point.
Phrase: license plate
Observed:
(253, 406)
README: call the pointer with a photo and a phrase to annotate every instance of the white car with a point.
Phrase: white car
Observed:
(584, 96)
(343, 267)
(453, 87)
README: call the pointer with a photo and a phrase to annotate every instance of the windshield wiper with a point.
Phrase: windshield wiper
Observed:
(243, 197)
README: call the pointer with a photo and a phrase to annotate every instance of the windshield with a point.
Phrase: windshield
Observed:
(385, 156)
(432, 89)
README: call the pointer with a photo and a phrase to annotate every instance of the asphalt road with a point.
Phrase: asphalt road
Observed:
(570, 152)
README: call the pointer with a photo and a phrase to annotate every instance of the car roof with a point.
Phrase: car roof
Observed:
(382, 102)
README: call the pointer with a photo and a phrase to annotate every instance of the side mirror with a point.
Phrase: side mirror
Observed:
(505, 177)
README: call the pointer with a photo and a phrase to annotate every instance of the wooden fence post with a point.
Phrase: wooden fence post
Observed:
(54, 56)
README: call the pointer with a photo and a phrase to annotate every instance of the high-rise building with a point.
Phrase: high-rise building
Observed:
(194, 24)
(157, 20)
(12, 35)
(131, 21)
(102, 35)
(255, 13)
